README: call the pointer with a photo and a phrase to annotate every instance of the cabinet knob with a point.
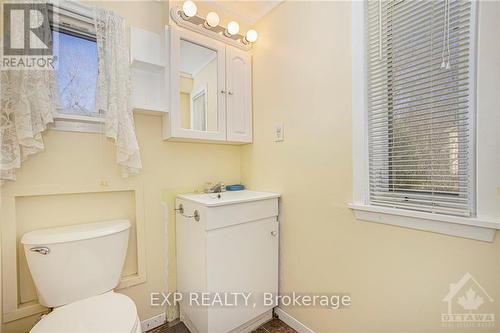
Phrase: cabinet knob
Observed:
(222, 91)
(273, 233)
(230, 92)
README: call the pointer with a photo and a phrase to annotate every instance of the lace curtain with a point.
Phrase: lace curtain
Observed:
(29, 98)
(27, 106)
(113, 89)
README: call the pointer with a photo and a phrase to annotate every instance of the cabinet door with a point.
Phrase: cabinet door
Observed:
(197, 88)
(239, 95)
(242, 258)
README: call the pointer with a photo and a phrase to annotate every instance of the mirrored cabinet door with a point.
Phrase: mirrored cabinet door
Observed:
(198, 93)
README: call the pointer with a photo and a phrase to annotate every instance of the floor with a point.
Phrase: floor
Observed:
(273, 326)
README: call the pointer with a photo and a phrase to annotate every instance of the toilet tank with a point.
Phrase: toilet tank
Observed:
(75, 262)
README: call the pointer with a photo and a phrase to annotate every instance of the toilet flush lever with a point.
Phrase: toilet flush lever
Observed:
(40, 249)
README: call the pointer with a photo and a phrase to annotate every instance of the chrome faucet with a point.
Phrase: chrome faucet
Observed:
(217, 188)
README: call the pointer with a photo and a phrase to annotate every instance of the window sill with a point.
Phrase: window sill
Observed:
(72, 123)
(472, 228)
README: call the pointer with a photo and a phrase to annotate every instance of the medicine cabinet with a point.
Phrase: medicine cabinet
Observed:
(210, 88)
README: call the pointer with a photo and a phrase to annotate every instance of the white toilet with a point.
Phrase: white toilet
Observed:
(75, 269)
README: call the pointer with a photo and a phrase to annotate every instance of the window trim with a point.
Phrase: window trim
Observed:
(79, 21)
(480, 227)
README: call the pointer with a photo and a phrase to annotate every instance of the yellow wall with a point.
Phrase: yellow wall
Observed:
(76, 161)
(185, 88)
(208, 77)
(397, 277)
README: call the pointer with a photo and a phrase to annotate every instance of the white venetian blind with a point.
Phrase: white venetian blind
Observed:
(419, 118)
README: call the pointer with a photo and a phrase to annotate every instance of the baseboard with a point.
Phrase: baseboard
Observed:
(291, 321)
(247, 327)
(153, 322)
(254, 323)
(185, 319)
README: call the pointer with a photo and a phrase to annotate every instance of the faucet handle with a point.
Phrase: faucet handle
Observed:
(217, 188)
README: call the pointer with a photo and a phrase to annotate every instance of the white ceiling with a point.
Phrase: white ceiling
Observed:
(245, 11)
(194, 57)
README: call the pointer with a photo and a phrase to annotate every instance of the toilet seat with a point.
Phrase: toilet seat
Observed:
(110, 312)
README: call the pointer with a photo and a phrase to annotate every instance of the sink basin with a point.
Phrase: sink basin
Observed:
(226, 198)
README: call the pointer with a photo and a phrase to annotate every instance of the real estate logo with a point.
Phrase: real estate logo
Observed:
(467, 303)
(27, 37)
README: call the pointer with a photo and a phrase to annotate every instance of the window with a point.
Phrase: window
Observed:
(420, 132)
(76, 74)
(76, 69)
(426, 148)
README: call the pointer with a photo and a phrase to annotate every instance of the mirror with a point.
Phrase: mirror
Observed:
(198, 87)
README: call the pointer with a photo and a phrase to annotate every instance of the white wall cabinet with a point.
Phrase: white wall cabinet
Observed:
(232, 248)
(210, 90)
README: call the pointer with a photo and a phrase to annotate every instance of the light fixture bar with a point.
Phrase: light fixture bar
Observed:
(198, 24)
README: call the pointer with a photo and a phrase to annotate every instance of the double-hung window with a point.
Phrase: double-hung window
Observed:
(419, 111)
(415, 118)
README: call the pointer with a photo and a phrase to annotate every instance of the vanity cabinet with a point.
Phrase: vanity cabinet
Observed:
(227, 244)
(210, 88)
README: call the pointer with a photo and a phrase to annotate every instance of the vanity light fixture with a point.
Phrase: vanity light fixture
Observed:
(189, 9)
(250, 36)
(186, 17)
(232, 28)
(212, 20)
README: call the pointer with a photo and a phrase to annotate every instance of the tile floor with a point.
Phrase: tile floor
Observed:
(273, 326)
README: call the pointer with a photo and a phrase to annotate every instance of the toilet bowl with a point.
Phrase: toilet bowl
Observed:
(75, 269)
(110, 312)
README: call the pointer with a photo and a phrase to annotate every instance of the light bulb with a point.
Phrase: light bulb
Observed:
(212, 19)
(251, 36)
(233, 28)
(189, 8)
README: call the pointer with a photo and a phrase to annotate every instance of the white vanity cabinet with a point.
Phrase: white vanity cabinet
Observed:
(227, 245)
(210, 88)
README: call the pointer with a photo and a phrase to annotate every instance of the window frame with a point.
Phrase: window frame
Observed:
(75, 19)
(412, 195)
(483, 225)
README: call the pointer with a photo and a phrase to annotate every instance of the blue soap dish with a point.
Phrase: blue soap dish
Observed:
(236, 187)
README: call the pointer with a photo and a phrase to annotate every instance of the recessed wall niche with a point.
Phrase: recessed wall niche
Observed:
(35, 208)
(37, 212)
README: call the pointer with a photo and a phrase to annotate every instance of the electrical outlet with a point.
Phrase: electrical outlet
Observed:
(153, 322)
(278, 132)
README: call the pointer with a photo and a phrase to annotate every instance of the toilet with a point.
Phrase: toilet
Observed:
(75, 269)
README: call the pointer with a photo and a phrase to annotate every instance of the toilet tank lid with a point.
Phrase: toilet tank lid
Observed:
(74, 232)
